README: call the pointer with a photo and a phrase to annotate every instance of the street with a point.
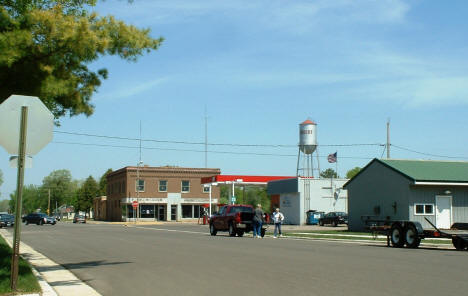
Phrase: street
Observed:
(183, 259)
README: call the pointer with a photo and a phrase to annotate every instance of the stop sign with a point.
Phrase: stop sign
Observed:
(39, 129)
(135, 204)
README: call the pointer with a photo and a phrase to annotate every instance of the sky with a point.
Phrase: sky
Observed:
(261, 67)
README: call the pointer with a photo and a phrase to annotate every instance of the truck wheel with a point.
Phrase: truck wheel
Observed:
(412, 238)
(458, 243)
(213, 230)
(41, 222)
(232, 231)
(396, 236)
(240, 233)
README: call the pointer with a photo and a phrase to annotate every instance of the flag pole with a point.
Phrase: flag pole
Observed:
(336, 164)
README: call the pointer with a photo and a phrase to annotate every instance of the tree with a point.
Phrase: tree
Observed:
(329, 173)
(103, 183)
(86, 194)
(61, 186)
(1, 178)
(32, 199)
(352, 172)
(4, 205)
(46, 47)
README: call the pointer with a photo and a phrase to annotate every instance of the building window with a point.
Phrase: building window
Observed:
(162, 185)
(424, 209)
(123, 187)
(187, 211)
(206, 189)
(185, 186)
(140, 185)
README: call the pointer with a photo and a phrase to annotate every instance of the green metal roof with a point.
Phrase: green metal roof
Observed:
(429, 170)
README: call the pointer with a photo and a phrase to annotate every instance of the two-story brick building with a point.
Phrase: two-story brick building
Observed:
(165, 193)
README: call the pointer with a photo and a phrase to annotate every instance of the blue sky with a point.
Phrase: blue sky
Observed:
(263, 66)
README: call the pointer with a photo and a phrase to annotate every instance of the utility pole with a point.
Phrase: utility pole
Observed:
(48, 205)
(138, 181)
(206, 139)
(388, 138)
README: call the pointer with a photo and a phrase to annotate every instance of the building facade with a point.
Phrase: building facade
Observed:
(390, 189)
(162, 193)
(296, 196)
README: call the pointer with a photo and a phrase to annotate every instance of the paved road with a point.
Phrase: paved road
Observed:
(184, 260)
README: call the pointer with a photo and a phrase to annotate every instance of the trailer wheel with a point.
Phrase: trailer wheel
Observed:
(232, 231)
(213, 230)
(396, 236)
(458, 243)
(412, 238)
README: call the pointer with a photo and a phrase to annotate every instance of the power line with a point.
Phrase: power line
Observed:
(428, 154)
(212, 144)
(192, 150)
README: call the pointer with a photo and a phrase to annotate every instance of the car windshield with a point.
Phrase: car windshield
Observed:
(241, 210)
(341, 214)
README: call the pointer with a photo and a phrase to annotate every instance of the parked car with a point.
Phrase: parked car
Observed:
(7, 220)
(79, 219)
(236, 219)
(334, 218)
(39, 219)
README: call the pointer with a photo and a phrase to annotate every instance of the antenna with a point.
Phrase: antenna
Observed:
(139, 161)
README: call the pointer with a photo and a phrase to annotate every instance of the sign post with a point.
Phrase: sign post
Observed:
(16, 136)
(135, 206)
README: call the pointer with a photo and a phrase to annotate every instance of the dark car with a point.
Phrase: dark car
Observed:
(7, 220)
(39, 219)
(334, 218)
(79, 219)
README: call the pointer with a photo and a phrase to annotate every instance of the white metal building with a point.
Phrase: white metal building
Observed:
(298, 195)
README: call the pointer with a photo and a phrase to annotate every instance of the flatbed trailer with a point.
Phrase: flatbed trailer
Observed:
(402, 233)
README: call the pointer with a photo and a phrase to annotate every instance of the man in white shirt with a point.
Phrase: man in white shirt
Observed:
(278, 218)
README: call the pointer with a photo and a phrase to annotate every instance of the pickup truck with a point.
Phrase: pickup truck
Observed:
(236, 219)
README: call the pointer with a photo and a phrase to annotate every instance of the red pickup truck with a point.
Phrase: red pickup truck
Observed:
(236, 219)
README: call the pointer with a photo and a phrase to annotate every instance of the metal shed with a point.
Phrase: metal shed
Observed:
(409, 190)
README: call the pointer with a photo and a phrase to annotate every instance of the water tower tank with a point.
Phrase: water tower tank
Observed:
(308, 136)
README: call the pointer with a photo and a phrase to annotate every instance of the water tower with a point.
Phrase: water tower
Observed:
(307, 146)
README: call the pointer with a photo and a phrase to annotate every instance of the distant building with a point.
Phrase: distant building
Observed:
(100, 208)
(165, 193)
(296, 196)
(409, 190)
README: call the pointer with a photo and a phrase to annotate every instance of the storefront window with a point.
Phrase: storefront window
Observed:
(147, 211)
(196, 211)
(187, 211)
(130, 212)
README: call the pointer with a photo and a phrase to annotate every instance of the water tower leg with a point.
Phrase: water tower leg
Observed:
(298, 157)
(318, 161)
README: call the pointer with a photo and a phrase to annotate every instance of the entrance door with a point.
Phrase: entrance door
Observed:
(174, 212)
(162, 213)
(443, 212)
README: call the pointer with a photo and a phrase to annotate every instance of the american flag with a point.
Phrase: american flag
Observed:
(332, 157)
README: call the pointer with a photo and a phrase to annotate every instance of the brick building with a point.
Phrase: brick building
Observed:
(165, 193)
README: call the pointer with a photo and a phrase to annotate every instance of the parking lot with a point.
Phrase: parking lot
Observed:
(183, 259)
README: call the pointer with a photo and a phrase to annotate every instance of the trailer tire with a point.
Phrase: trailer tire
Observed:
(412, 238)
(459, 244)
(213, 230)
(232, 231)
(396, 236)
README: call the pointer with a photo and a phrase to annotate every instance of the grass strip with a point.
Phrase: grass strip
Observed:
(27, 282)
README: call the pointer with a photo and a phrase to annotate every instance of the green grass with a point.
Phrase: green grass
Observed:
(27, 282)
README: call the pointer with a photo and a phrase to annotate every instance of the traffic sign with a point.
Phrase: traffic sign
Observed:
(39, 129)
(233, 199)
(135, 204)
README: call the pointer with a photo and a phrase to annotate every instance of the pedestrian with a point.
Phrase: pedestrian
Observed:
(258, 221)
(278, 218)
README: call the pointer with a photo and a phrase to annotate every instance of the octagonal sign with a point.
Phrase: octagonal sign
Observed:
(39, 128)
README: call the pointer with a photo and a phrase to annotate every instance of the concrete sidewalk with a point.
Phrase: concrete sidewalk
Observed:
(53, 278)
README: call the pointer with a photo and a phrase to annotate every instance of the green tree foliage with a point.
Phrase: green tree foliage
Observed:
(329, 173)
(85, 195)
(61, 185)
(103, 183)
(1, 179)
(4, 205)
(46, 47)
(249, 196)
(352, 172)
(33, 199)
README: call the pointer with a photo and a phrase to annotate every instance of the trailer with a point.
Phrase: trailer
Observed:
(402, 233)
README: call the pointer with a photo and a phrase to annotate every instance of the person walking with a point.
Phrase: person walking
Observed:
(278, 218)
(258, 221)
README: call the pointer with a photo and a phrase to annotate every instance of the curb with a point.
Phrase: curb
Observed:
(53, 278)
